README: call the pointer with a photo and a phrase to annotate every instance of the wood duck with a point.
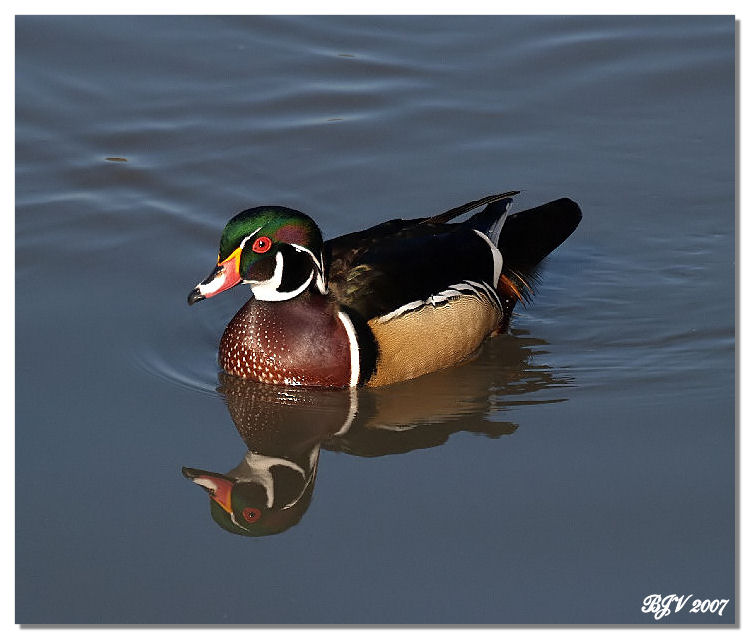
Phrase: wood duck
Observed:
(393, 302)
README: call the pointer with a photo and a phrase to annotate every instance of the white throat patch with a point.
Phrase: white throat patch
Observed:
(268, 290)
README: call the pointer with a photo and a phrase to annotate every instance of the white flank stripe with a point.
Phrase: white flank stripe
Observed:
(401, 310)
(488, 291)
(467, 287)
(353, 347)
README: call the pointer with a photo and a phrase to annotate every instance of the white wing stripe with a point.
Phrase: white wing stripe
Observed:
(466, 287)
(497, 258)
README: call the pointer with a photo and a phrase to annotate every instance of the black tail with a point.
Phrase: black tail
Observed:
(530, 236)
(525, 240)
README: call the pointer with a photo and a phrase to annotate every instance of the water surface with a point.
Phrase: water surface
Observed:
(581, 463)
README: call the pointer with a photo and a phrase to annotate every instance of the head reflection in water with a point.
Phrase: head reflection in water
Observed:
(244, 502)
(284, 428)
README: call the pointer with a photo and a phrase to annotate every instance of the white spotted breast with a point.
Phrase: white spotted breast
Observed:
(302, 341)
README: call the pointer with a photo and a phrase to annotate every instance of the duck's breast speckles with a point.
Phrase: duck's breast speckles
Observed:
(299, 342)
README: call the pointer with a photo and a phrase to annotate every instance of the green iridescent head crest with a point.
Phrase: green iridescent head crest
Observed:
(278, 223)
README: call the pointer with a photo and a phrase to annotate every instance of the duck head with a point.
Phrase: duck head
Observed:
(262, 496)
(276, 250)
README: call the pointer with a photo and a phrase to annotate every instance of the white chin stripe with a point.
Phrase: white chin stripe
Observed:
(353, 347)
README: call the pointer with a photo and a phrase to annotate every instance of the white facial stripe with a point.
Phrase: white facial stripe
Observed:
(319, 263)
(497, 258)
(247, 237)
(267, 290)
(353, 347)
(309, 252)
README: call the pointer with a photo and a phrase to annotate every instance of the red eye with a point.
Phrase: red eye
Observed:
(262, 244)
(251, 515)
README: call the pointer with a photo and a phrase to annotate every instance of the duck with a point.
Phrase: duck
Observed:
(393, 302)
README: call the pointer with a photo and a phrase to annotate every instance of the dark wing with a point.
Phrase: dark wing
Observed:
(402, 262)
(504, 198)
(344, 250)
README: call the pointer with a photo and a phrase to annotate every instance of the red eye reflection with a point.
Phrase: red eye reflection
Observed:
(262, 244)
(251, 515)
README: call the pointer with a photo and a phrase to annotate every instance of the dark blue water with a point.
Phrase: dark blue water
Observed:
(580, 464)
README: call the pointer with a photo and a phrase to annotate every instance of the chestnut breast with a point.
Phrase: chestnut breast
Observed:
(301, 341)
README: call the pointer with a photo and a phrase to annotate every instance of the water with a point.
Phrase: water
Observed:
(581, 463)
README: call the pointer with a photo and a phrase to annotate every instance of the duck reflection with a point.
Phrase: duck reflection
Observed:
(284, 428)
